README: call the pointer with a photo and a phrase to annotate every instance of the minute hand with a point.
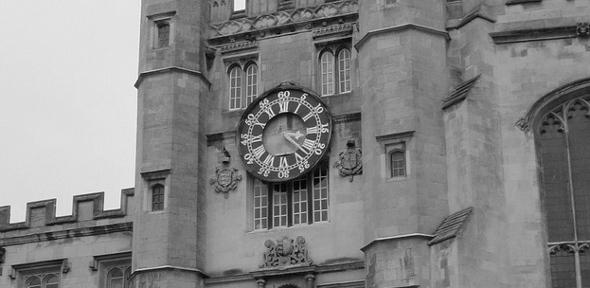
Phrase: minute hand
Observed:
(288, 136)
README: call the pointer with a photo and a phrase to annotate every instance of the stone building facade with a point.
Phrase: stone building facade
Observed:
(454, 153)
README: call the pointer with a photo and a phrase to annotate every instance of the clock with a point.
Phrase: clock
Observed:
(284, 133)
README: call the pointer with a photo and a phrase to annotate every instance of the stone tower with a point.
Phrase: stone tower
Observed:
(401, 59)
(171, 92)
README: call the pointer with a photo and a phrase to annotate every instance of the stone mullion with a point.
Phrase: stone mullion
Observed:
(578, 267)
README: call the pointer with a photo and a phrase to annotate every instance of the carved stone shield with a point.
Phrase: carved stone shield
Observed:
(224, 177)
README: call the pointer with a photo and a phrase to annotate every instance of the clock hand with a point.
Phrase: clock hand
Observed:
(288, 135)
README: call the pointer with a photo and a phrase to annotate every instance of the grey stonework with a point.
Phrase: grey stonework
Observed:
(445, 80)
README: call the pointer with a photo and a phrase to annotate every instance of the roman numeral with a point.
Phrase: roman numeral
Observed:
(258, 151)
(322, 128)
(270, 112)
(309, 115)
(298, 157)
(249, 139)
(309, 145)
(283, 162)
(283, 105)
(270, 159)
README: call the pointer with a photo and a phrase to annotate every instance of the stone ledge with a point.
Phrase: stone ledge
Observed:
(541, 34)
(69, 233)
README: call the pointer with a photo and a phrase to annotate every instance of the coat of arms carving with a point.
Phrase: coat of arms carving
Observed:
(285, 251)
(226, 178)
(350, 161)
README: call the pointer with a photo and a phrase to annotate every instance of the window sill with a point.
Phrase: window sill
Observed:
(336, 94)
(397, 179)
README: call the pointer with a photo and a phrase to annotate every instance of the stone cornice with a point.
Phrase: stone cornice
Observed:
(68, 233)
(167, 267)
(269, 273)
(397, 237)
(477, 13)
(541, 34)
(401, 28)
(196, 73)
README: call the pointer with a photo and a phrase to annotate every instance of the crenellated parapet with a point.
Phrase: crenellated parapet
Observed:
(85, 207)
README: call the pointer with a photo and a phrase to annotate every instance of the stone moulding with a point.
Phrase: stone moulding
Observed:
(50, 218)
(283, 18)
(460, 93)
(68, 233)
(572, 90)
(541, 34)
(62, 263)
(238, 46)
(479, 12)
(144, 74)
(113, 256)
(399, 28)
(264, 273)
(344, 28)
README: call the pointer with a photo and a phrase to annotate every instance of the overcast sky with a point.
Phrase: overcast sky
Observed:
(68, 110)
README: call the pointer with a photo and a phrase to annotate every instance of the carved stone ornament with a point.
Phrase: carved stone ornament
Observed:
(583, 29)
(285, 252)
(350, 161)
(226, 178)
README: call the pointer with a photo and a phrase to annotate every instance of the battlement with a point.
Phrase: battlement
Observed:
(85, 207)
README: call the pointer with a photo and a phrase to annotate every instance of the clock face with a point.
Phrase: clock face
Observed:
(284, 134)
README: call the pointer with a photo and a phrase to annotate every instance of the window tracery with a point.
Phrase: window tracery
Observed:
(563, 138)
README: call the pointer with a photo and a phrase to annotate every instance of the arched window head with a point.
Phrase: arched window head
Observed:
(235, 88)
(33, 282)
(251, 83)
(327, 73)
(562, 135)
(344, 71)
(51, 281)
(397, 161)
(157, 197)
(115, 278)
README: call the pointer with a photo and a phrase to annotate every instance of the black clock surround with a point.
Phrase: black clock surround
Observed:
(284, 133)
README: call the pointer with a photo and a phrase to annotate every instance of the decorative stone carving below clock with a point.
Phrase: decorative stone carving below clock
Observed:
(285, 252)
(350, 161)
(226, 178)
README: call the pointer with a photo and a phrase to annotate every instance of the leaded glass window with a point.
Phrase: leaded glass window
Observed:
(301, 201)
(344, 71)
(235, 88)
(251, 83)
(157, 197)
(327, 73)
(563, 138)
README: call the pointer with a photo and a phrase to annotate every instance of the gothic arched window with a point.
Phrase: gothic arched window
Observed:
(563, 140)
(344, 71)
(51, 281)
(251, 83)
(235, 88)
(327, 73)
(33, 282)
(115, 278)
